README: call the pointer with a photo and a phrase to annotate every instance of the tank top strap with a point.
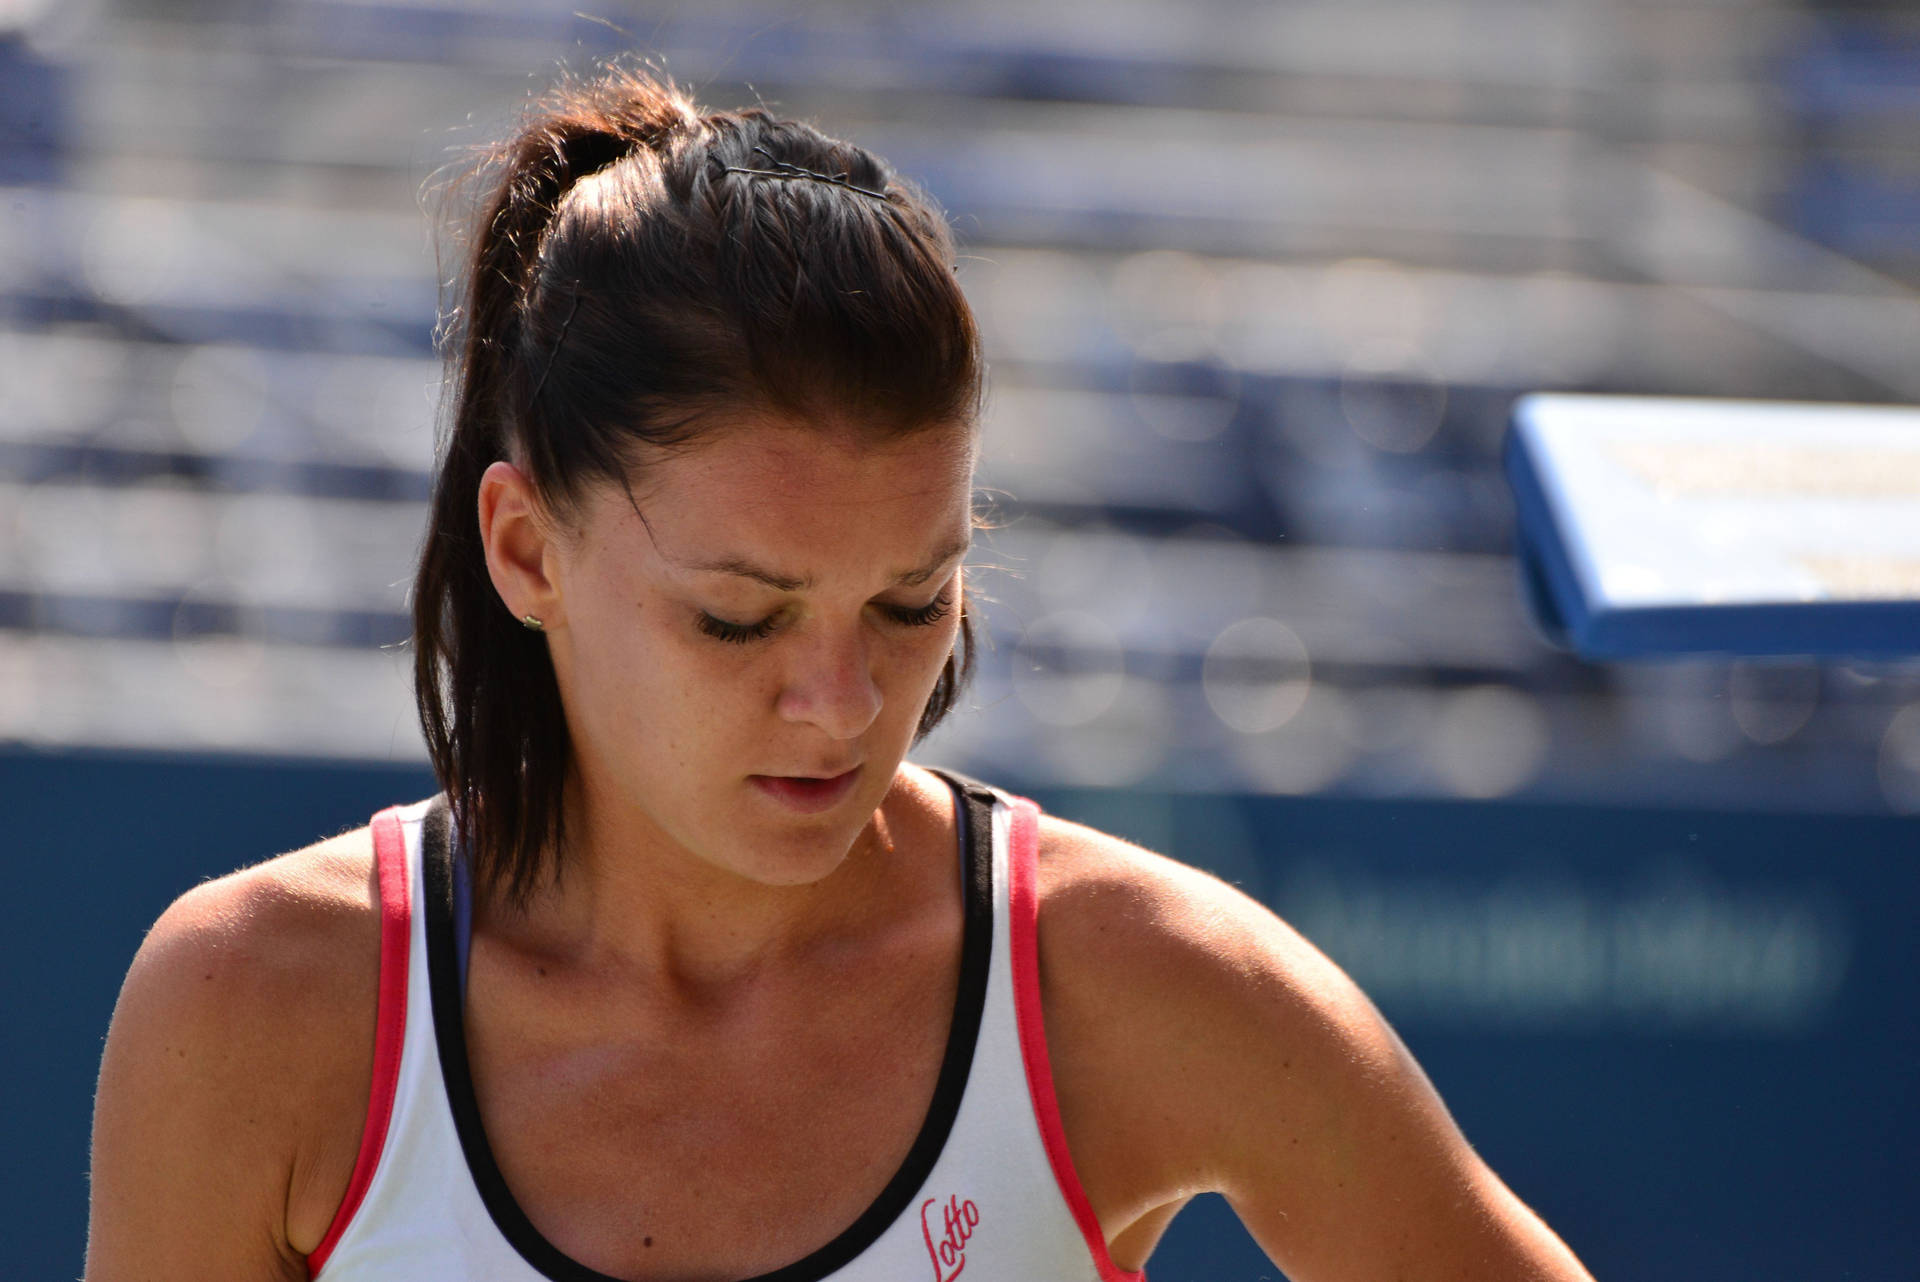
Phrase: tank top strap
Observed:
(462, 902)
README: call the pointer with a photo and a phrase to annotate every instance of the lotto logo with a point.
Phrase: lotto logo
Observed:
(955, 1222)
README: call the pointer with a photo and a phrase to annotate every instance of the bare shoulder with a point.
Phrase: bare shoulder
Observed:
(320, 887)
(1201, 1044)
(1159, 985)
(1111, 908)
(284, 938)
(1141, 950)
(237, 1066)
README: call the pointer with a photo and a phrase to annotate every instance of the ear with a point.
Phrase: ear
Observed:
(521, 544)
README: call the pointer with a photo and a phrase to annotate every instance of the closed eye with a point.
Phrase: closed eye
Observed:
(923, 616)
(738, 633)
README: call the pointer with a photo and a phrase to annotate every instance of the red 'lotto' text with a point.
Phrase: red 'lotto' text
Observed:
(947, 1229)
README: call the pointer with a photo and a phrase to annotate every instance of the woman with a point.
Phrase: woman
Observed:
(688, 973)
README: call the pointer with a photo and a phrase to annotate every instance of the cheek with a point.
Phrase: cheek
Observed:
(946, 641)
(623, 676)
(919, 662)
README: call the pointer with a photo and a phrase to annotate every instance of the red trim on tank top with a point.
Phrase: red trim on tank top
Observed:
(390, 1028)
(1024, 908)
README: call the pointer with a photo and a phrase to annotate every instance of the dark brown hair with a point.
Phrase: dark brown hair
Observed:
(625, 279)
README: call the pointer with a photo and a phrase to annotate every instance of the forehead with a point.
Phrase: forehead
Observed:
(780, 463)
(773, 483)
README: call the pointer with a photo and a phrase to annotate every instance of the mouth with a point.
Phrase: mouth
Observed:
(806, 794)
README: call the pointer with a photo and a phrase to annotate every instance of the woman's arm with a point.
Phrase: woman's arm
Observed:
(235, 1076)
(1201, 1045)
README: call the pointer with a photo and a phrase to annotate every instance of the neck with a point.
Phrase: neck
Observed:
(633, 900)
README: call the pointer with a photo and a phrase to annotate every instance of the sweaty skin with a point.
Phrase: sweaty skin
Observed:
(731, 1011)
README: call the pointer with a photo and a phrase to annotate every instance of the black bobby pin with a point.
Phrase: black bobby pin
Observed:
(787, 169)
(574, 288)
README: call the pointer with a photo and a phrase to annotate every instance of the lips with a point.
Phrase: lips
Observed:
(804, 794)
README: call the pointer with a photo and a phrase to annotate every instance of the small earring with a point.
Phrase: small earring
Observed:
(532, 622)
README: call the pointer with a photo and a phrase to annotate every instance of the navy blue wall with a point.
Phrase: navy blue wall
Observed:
(1687, 1038)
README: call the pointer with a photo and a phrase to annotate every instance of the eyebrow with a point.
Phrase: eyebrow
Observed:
(741, 566)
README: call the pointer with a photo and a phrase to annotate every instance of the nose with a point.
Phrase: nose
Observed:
(831, 684)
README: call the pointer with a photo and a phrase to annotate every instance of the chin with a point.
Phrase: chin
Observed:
(797, 850)
(795, 863)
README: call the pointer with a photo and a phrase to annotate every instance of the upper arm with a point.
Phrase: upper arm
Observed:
(1206, 1046)
(224, 1108)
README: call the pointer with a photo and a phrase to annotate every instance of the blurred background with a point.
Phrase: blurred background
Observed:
(1259, 283)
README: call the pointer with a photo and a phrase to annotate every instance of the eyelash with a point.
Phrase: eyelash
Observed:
(742, 633)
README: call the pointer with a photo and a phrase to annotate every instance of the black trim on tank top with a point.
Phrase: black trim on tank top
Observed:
(974, 814)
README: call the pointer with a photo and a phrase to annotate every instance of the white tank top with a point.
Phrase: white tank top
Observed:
(988, 1188)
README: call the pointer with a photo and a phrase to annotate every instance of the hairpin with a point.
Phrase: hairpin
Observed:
(787, 169)
(574, 288)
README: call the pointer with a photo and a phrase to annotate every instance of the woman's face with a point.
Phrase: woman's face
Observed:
(744, 647)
